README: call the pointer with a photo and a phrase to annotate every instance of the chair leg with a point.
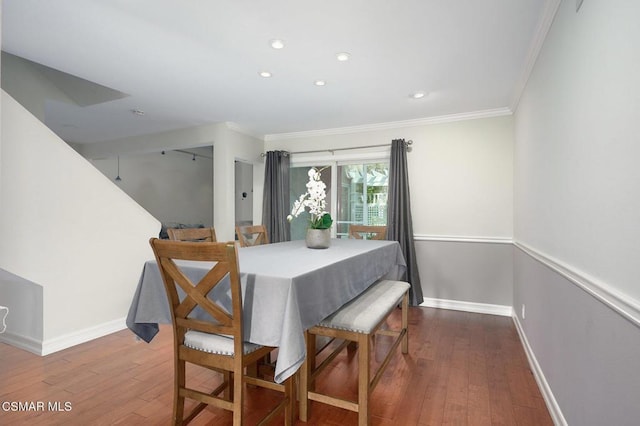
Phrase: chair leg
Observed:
(238, 397)
(290, 394)
(178, 400)
(227, 376)
(364, 358)
(305, 376)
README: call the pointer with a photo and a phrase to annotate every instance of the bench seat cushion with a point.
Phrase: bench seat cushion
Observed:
(365, 312)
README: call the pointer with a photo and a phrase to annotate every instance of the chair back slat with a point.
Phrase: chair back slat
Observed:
(196, 294)
(224, 268)
(252, 235)
(368, 232)
(192, 234)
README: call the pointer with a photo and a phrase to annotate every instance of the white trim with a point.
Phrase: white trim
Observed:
(462, 239)
(81, 336)
(625, 305)
(237, 128)
(478, 308)
(340, 158)
(543, 385)
(550, 9)
(22, 342)
(497, 112)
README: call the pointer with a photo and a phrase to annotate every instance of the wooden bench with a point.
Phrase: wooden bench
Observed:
(356, 322)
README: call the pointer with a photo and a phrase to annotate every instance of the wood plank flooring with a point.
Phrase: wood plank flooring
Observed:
(462, 369)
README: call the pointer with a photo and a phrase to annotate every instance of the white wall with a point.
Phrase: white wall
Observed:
(171, 186)
(229, 145)
(28, 86)
(460, 173)
(578, 123)
(461, 182)
(67, 228)
(577, 213)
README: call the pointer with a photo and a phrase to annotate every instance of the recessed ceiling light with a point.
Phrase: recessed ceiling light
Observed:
(320, 82)
(277, 43)
(265, 74)
(342, 56)
(417, 95)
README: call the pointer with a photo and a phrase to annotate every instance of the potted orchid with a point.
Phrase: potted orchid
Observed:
(319, 232)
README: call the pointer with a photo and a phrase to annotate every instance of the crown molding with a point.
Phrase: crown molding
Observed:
(488, 113)
(544, 25)
(237, 128)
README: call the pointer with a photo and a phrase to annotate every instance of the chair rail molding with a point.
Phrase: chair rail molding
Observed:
(462, 239)
(626, 306)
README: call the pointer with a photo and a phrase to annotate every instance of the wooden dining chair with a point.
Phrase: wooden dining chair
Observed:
(367, 232)
(216, 343)
(356, 322)
(192, 234)
(252, 235)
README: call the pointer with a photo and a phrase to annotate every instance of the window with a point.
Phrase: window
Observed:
(362, 196)
(356, 194)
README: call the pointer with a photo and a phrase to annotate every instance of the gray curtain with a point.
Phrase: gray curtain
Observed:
(275, 199)
(399, 223)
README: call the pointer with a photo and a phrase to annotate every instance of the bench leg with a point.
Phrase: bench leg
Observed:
(405, 323)
(364, 358)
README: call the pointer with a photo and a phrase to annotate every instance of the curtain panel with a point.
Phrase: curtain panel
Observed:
(275, 199)
(399, 222)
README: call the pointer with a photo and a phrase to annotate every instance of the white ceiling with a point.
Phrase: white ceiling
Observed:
(187, 63)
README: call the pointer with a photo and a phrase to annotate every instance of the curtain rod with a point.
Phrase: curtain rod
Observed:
(409, 142)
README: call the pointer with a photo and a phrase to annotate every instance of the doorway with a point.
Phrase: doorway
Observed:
(243, 193)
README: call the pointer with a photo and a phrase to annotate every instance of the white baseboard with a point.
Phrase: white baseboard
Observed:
(81, 336)
(479, 308)
(63, 342)
(29, 344)
(549, 399)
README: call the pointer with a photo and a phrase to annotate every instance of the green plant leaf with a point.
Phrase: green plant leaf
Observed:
(325, 221)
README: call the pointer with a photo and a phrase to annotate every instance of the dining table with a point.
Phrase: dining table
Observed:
(286, 289)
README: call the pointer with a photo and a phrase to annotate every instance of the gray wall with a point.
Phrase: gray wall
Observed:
(588, 353)
(462, 271)
(25, 300)
(172, 187)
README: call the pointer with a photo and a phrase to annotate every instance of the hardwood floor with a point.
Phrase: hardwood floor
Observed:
(462, 369)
